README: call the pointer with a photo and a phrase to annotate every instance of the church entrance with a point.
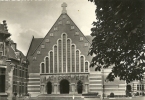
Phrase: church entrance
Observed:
(64, 86)
(80, 87)
(49, 88)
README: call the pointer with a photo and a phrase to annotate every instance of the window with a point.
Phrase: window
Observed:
(51, 34)
(51, 62)
(14, 86)
(1, 53)
(72, 27)
(16, 73)
(26, 73)
(46, 40)
(86, 66)
(38, 52)
(34, 58)
(17, 55)
(63, 16)
(47, 64)
(55, 28)
(67, 22)
(60, 22)
(86, 44)
(20, 72)
(82, 64)
(1, 46)
(140, 87)
(42, 46)
(81, 38)
(2, 80)
(42, 68)
(76, 33)
(77, 61)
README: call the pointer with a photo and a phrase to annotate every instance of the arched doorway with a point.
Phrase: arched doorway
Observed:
(128, 90)
(49, 88)
(64, 86)
(80, 87)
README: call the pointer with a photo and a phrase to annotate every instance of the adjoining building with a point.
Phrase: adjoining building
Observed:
(13, 67)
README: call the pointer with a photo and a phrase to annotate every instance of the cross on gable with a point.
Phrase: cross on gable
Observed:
(64, 5)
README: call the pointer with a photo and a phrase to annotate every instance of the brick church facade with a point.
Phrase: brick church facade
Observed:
(59, 63)
(56, 64)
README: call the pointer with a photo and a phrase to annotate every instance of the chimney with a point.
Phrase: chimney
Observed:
(5, 25)
(14, 46)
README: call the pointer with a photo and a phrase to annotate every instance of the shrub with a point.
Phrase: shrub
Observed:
(143, 94)
(15, 94)
(111, 94)
(129, 95)
(137, 94)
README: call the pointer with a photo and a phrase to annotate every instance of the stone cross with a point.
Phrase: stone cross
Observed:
(64, 5)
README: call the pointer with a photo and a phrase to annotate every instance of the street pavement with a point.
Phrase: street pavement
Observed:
(133, 98)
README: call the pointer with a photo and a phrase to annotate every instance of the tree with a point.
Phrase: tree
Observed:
(119, 38)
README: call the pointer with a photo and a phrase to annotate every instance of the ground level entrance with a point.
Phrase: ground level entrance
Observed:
(64, 87)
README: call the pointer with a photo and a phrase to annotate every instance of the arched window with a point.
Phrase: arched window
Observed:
(77, 61)
(68, 55)
(51, 62)
(42, 68)
(73, 58)
(55, 59)
(64, 52)
(60, 57)
(82, 64)
(47, 64)
(86, 66)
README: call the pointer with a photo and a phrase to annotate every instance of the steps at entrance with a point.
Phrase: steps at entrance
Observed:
(60, 97)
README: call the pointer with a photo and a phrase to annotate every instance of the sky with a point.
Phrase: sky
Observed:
(35, 18)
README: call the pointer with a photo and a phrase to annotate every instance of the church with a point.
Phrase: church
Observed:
(55, 65)
(59, 63)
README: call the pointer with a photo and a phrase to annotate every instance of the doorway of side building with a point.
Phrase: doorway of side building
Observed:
(2, 79)
(128, 90)
(80, 87)
(64, 86)
(49, 88)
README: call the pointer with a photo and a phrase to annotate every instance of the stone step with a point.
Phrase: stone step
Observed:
(60, 98)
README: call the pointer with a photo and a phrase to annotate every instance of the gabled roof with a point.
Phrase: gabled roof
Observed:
(12, 55)
(60, 27)
(33, 45)
(38, 41)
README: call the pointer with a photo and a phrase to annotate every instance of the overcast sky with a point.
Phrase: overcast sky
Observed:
(29, 18)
